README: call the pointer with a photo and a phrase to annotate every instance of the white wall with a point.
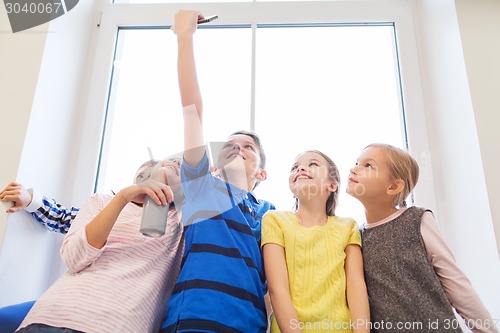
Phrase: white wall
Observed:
(52, 58)
(20, 59)
(479, 22)
(19, 66)
(463, 208)
(460, 83)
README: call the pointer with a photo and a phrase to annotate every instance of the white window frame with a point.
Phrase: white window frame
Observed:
(400, 12)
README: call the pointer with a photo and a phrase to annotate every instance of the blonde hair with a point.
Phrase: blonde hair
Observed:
(401, 166)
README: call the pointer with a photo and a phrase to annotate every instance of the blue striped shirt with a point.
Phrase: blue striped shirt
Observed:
(221, 285)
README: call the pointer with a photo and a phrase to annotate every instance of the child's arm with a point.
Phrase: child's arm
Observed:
(357, 296)
(456, 285)
(279, 290)
(98, 229)
(88, 234)
(51, 214)
(186, 22)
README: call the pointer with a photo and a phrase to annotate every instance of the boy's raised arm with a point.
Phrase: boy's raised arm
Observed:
(186, 22)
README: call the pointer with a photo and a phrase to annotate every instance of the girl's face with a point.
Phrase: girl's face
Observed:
(171, 168)
(309, 176)
(370, 178)
(143, 173)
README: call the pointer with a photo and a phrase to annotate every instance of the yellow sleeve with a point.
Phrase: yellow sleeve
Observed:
(272, 231)
(354, 236)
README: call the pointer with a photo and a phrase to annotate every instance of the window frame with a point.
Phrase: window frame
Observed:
(398, 12)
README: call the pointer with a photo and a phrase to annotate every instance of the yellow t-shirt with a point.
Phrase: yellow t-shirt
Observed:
(315, 260)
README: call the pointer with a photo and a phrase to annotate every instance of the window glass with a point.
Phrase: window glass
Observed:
(331, 88)
(334, 89)
(144, 108)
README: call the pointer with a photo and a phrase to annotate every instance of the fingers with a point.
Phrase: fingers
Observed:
(158, 191)
(10, 195)
(186, 21)
(13, 209)
(17, 194)
(169, 194)
(162, 195)
(10, 189)
(14, 184)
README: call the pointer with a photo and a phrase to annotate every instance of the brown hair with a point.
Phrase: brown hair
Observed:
(262, 154)
(150, 164)
(333, 200)
(401, 166)
(255, 139)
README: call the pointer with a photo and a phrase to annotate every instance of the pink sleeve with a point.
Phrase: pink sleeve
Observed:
(456, 285)
(76, 252)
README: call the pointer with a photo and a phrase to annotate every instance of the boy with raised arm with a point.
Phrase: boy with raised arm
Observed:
(221, 286)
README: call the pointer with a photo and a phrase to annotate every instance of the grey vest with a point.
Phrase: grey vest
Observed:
(404, 291)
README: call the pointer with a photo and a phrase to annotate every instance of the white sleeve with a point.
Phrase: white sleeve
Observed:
(36, 201)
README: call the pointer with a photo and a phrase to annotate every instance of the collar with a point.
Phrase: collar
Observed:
(386, 219)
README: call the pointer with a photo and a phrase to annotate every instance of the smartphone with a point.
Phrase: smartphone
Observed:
(208, 19)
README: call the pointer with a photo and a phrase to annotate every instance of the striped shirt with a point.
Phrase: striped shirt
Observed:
(122, 287)
(222, 285)
(52, 215)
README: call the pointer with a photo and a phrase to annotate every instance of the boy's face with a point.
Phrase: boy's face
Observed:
(172, 167)
(240, 153)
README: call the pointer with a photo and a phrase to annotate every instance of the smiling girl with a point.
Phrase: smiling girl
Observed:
(312, 258)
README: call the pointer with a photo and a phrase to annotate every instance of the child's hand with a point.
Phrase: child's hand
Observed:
(186, 22)
(18, 195)
(160, 192)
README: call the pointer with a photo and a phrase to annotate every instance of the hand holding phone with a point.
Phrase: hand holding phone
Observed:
(207, 19)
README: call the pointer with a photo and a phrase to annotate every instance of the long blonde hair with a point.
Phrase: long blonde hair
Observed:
(401, 166)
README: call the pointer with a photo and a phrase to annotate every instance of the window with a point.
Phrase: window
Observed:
(331, 88)
(332, 85)
(144, 105)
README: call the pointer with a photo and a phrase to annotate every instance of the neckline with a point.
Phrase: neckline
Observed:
(386, 220)
(298, 220)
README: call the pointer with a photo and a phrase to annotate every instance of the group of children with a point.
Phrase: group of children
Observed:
(323, 274)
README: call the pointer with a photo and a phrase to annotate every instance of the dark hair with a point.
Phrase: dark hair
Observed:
(333, 172)
(262, 154)
(255, 139)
